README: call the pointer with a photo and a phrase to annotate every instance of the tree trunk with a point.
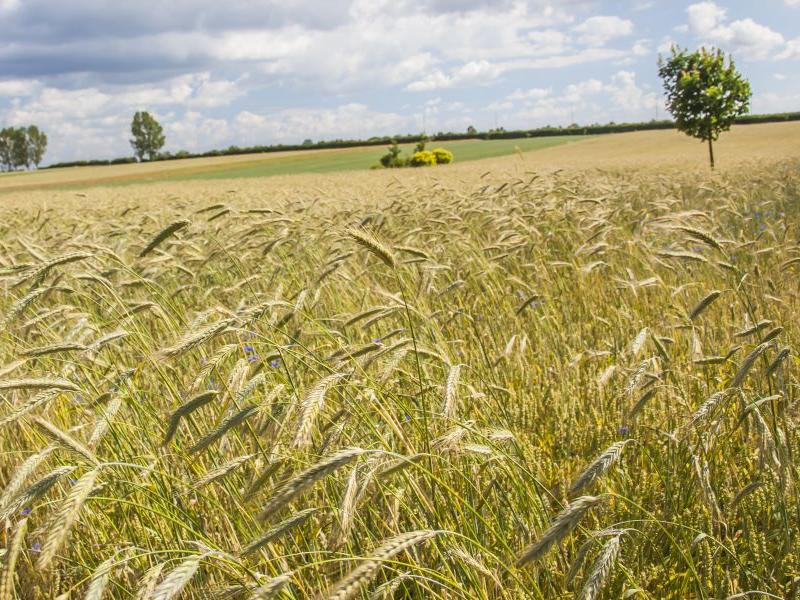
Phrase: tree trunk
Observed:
(710, 152)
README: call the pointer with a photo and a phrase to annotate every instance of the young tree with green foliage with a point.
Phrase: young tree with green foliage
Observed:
(148, 135)
(705, 93)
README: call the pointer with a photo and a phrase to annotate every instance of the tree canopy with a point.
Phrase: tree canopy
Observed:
(148, 135)
(705, 93)
(21, 147)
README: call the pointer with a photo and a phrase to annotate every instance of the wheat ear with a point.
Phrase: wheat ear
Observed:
(601, 569)
(277, 531)
(598, 467)
(66, 517)
(185, 409)
(38, 488)
(163, 235)
(273, 587)
(351, 583)
(367, 240)
(177, 579)
(54, 433)
(44, 383)
(311, 405)
(561, 526)
(7, 576)
(305, 479)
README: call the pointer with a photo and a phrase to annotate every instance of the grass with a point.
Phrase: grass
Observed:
(581, 384)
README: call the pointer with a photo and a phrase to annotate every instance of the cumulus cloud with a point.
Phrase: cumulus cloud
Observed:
(620, 97)
(598, 30)
(709, 22)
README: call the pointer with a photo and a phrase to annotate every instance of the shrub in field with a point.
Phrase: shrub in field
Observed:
(392, 159)
(423, 158)
(443, 157)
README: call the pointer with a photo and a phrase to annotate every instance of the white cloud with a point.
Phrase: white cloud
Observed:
(792, 49)
(708, 22)
(592, 100)
(704, 17)
(346, 121)
(641, 48)
(598, 30)
(479, 72)
(18, 87)
(531, 94)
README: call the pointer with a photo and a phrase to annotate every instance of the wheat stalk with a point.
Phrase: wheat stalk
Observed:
(273, 587)
(177, 579)
(350, 584)
(215, 434)
(10, 563)
(310, 406)
(601, 569)
(561, 527)
(44, 383)
(305, 479)
(37, 401)
(66, 517)
(451, 392)
(33, 492)
(598, 467)
(368, 240)
(163, 235)
(186, 409)
(701, 306)
(54, 433)
(276, 532)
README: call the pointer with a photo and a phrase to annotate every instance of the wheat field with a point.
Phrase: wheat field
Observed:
(477, 384)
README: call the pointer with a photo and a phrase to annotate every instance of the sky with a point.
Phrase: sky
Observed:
(247, 72)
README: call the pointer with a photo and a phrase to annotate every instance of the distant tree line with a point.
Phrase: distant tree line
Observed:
(471, 133)
(21, 147)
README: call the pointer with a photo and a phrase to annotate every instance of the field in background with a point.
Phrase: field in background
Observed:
(567, 374)
(666, 148)
(260, 165)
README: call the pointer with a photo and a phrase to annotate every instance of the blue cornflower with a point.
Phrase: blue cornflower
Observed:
(407, 418)
(377, 341)
(623, 430)
(36, 547)
(248, 348)
(253, 358)
(25, 511)
(275, 363)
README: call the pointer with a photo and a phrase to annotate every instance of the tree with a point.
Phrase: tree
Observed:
(705, 93)
(148, 135)
(471, 130)
(19, 148)
(6, 148)
(423, 139)
(37, 144)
